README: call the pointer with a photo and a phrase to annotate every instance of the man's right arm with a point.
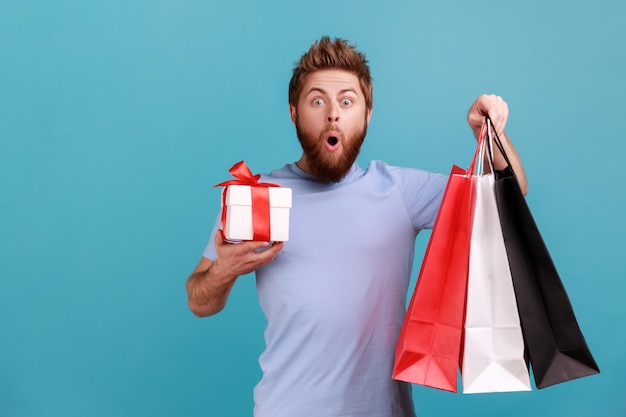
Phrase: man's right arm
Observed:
(207, 291)
(210, 282)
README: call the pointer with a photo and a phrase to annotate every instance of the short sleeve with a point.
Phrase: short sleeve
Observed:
(422, 192)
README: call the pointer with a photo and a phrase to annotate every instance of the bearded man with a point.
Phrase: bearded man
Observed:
(334, 296)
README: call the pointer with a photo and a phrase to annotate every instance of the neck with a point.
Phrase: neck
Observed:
(303, 164)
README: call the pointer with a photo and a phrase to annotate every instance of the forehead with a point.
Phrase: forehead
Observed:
(331, 81)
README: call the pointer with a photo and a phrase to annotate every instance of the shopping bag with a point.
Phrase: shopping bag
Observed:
(428, 348)
(555, 344)
(493, 346)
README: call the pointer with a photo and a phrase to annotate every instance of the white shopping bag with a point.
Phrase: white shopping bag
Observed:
(493, 351)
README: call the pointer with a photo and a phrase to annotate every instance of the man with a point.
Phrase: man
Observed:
(334, 295)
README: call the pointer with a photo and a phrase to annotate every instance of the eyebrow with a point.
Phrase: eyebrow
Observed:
(322, 91)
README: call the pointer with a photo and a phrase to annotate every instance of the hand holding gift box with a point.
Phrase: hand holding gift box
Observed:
(253, 210)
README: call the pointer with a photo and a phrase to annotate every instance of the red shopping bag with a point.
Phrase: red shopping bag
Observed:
(429, 345)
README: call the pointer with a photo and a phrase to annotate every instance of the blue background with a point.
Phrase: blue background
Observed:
(117, 117)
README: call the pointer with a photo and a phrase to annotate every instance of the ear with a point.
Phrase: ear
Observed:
(369, 115)
(292, 113)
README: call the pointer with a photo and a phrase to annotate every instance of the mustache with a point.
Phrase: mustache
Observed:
(333, 131)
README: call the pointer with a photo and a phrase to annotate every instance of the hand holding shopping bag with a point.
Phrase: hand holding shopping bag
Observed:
(496, 243)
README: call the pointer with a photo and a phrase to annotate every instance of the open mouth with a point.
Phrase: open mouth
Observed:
(333, 141)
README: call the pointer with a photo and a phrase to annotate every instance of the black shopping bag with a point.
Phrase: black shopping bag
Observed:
(555, 344)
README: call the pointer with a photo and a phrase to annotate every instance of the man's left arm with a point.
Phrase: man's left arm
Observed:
(498, 111)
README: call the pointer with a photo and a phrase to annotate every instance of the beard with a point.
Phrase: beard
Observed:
(326, 166)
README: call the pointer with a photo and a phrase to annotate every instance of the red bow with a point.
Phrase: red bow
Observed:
(260, 199)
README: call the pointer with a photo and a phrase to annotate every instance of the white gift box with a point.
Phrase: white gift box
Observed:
(238, 223)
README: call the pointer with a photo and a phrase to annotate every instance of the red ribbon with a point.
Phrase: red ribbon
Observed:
(260, 199)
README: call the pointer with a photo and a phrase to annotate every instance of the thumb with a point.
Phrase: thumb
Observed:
(219, 237)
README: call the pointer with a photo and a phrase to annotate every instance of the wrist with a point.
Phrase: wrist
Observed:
(218, 276)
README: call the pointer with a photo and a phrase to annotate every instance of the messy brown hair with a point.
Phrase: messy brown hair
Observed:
(331, 54)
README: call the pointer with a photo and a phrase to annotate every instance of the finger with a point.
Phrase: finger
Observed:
(501, 116)
(276, 247)
(219, 238)
(496, 108)
(270, 253)
(257, 244)
(479, 109)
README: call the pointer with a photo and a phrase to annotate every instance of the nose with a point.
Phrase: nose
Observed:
(333, 113)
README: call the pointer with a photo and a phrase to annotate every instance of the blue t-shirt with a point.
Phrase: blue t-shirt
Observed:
(334, 297)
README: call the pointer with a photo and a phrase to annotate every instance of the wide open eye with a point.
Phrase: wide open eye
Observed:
(318, 102)
(346, 102)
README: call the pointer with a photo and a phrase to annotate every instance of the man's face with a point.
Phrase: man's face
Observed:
(331, 121)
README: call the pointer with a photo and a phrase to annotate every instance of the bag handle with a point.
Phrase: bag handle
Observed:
(485, 148)
(472, 168)
(490, 128)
